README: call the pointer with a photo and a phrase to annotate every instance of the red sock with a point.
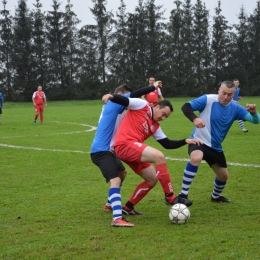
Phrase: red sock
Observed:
(35, 117)
(164, 178)
(141, 190)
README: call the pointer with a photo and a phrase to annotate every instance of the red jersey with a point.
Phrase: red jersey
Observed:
(138, 124)
(39, 97)
(152, 97)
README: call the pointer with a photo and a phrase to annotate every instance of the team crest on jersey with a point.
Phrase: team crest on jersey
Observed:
(152, 128)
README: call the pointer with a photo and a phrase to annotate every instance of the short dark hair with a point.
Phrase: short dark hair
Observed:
(235, 79)
(228, 84)
(151, 77)
(165, 103)
(123, 88)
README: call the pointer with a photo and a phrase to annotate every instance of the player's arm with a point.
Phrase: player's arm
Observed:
(33, 97)
(172, 144)
(116, 98)
(188, 112)
(142, 91)
(253, 116)
(45, 100)
(131, 103)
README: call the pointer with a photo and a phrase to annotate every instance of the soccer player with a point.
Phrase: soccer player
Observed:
(39, 99)
(152, 97)
(236, 98)
(216, 114)
(141, 122)
(102, 150)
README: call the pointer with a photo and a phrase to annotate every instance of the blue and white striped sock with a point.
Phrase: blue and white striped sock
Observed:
(188, 176)
(108, 202)
(241, 123)
(115, 201)
(218, 188)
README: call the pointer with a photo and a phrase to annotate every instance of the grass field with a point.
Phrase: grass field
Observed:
(52, 196)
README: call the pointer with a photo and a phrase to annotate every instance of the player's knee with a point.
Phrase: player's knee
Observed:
(115, 182)
(195, 160)
(152, 181)
(159, 157)
(122, 174)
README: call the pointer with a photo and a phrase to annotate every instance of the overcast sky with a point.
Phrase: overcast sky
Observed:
(230, 8)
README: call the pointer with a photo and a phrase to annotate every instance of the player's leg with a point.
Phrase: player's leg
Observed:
(37, 112)
(122, 175)
(241, 124)
(147, 172)
(219, 183)
(196, 156)
(107, 164)
(220, 169)
(41, 114)
(151, 154)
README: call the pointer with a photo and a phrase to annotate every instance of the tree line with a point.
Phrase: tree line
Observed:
(190, 54)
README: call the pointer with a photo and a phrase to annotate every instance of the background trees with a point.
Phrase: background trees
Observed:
(184, 51)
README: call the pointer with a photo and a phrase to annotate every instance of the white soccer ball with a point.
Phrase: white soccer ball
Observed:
(179, 213)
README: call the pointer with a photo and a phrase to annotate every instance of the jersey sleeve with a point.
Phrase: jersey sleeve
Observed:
(159, 134)
(136, 103)
(34, 95)
(255, 119)
(199, 103)
(159, 92)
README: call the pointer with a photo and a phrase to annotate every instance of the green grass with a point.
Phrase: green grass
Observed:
(51, 194)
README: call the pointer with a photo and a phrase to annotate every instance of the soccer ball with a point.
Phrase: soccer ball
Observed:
(179, 213)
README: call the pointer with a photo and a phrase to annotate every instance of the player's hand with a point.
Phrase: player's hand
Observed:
(193, 141)
(199, 123)
(106, 98)
(251, 108)
(158, 84)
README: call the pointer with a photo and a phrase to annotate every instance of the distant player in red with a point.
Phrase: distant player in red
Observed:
(152, 97)
(39, 99)
(141, 122)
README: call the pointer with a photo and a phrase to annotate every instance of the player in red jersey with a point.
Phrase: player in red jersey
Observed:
(141, 122)
(152, 97)
(39, 99)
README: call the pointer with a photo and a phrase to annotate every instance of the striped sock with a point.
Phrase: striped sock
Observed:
(108, 202)
(241, 123)
(188, 176)
(115, 200)
(218, 188)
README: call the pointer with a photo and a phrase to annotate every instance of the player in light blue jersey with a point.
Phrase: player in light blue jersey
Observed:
(236, 98)
(102, 151)
(216, 115)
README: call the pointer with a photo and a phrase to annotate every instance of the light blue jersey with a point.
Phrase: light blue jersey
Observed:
(236, 94)
(111, 116)
(1, 100)
(218, 119)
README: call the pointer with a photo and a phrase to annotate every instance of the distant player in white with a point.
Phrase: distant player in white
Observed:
(216, 115)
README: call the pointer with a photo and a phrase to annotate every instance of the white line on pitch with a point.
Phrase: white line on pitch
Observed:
(228, 163)
(82, 152)
(41, 149)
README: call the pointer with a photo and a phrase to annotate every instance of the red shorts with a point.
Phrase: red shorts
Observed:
(39, 108)
(131, 154)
